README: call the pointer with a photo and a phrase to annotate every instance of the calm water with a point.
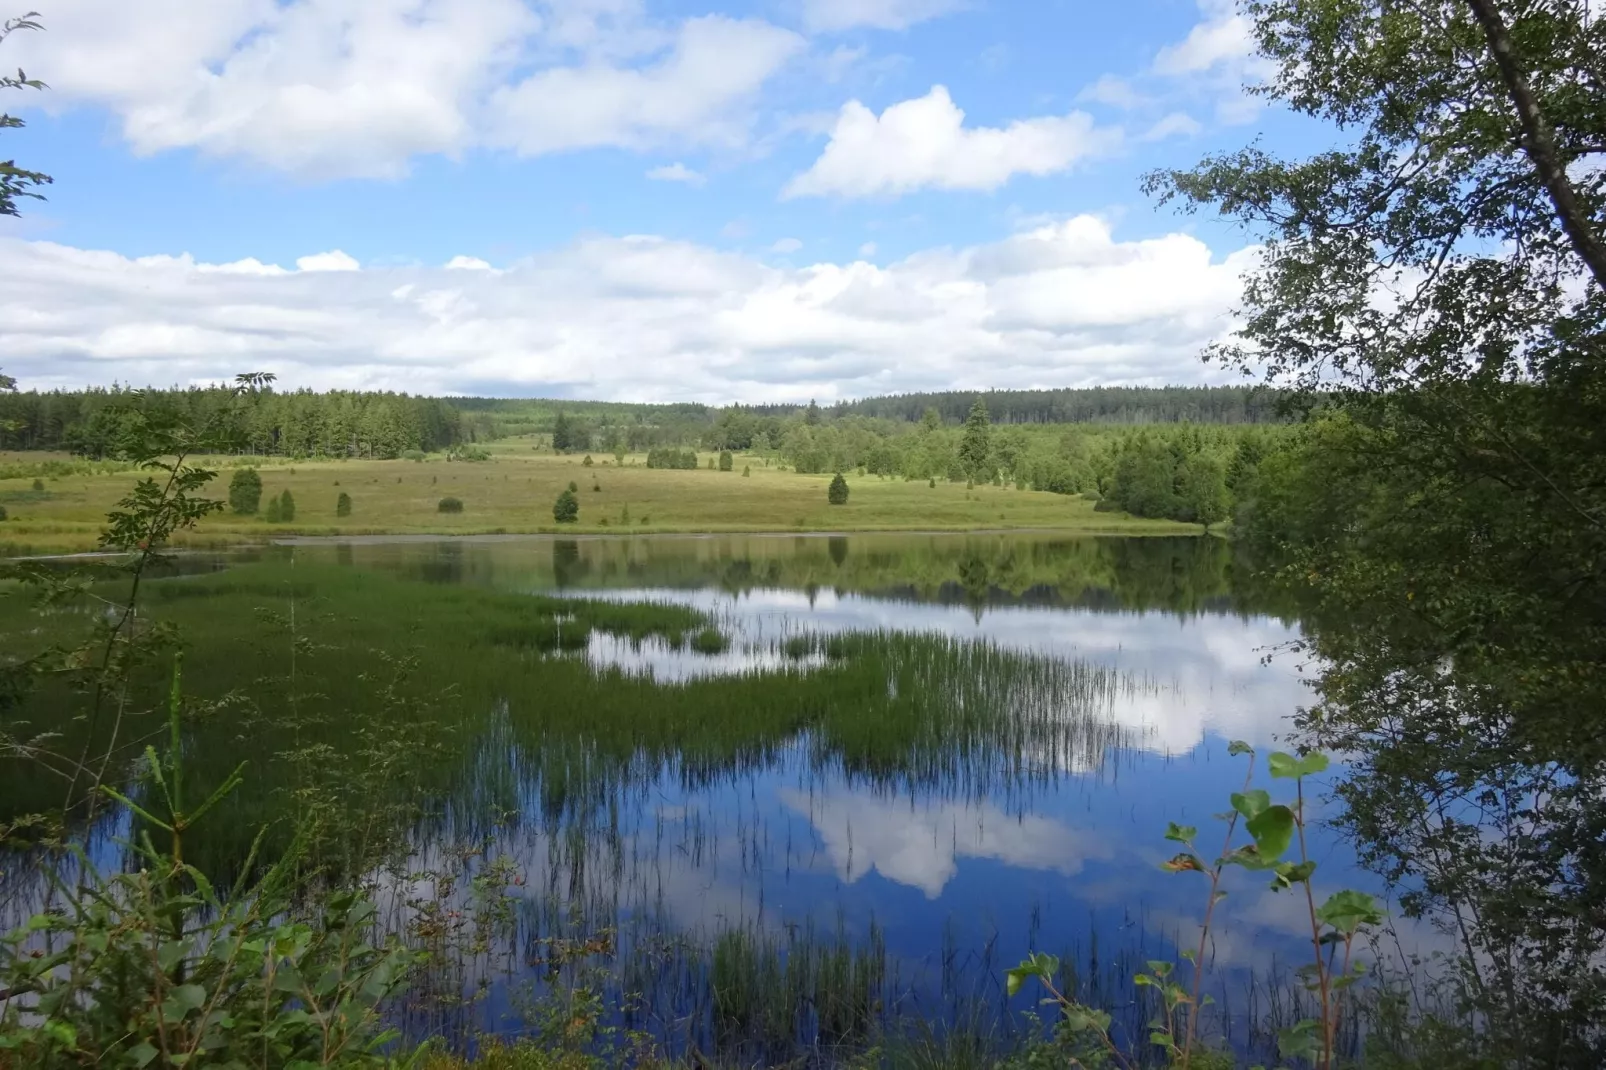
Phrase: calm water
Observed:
(1081, 694)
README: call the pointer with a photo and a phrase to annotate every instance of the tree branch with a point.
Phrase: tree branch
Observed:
(1539, 142)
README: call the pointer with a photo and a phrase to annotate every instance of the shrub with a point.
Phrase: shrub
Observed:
(574, 488)
(588, 462)
(412, 455)
(287, 507)
(566, 510)
(747, 471)
(2, 512)
(272, 515)
(343, 504)
(596, 485)
(932, 482)
(726, 461)
(838, 493)
(710, 463)
(38, 486)
(449, 505)
(245, 491)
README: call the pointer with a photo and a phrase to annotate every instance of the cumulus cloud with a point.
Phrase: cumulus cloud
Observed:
(340, 88)
(920, 845)
(786, 245)
(923, 143)
(633, 318)
(676, 172)
(1223, 38)
(831, 15)
(467, 263)
(692, 94)
(334, 260)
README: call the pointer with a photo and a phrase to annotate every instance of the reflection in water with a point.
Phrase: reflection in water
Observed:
(949, 750)
(919, 844)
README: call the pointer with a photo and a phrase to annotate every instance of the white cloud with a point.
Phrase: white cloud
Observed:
(634, 318)
(676, 172)
(338, 88)
(923, 143)
(1224, 38)
(468, 263)
(1173, 124)
(1116, 92)
(920, 845)
(786, 245)
(334, 260)
(693, 94)
(831, 15)
(867, 249)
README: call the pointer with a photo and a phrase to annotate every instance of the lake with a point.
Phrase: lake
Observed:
(754, 793)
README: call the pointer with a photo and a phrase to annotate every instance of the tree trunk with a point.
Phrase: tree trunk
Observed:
(1539, 142)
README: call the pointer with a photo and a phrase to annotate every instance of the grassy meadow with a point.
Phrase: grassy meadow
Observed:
(513, 492)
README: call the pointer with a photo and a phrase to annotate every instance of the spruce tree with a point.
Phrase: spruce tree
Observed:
(566, 510)
(976, 447)
(838, 492)
(287, 506)
(343, 504)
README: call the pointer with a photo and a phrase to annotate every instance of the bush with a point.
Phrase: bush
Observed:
(449, 505)
(272, 515)
(245, 491)
(726, 461)
(38, 486)
(838, 493)
(412, 455)
(669, 457)
(747, 471)
(343, 504)
(588, 462)
(287, 507)
(566, 510)
(574, 488)
(3, 514)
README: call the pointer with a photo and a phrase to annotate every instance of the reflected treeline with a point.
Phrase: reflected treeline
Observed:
(1179, 575)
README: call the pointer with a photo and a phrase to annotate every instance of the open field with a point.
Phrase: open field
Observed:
(513, 493)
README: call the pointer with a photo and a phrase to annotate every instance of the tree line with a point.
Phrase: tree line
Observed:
(339, 423)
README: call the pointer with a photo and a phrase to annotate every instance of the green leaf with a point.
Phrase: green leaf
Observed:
(1273, 830)
(1346, 911)
(1291, 873)
(1238, 746)
(1288, 767)
(1013, 979)
(142, 1053)
(1250, 803)
(1180, 833)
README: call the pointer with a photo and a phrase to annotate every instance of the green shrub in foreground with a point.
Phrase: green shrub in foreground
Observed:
(449, 505)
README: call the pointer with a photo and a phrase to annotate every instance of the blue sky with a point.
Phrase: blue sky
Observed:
(642, 200)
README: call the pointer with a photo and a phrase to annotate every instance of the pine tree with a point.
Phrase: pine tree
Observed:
(566, 510)
(976, 447)
(562, 434)
(287, 506)
(245, 491)
(838, 492)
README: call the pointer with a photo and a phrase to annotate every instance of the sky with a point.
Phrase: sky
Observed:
(635, 200)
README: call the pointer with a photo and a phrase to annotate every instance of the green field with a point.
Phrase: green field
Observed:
(513, 492)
